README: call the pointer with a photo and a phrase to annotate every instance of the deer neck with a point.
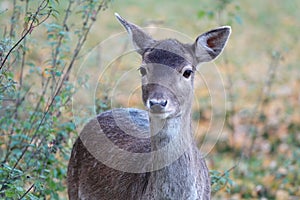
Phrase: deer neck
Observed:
(164, 180)
(165, 131)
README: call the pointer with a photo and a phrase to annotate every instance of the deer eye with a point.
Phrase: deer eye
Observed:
(187, 73)
(143, 71)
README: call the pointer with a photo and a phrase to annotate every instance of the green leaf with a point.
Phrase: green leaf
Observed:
(58, 73)
(201, 14)
(9, 193)
(19, 189)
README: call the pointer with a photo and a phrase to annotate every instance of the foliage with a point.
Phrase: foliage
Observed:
(262, 138)
(224, 11)
(220, 181)
(35, 93)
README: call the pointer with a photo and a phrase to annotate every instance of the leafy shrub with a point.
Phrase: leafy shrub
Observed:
(35, 93)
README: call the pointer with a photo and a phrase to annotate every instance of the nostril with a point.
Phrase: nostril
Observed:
(151, 103)
(163, 103)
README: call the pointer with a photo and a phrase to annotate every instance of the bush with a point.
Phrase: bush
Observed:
(35, 93)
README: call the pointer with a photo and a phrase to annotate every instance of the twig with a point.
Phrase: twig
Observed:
(13, 20)
(45, 88)
(60, 39)
(79, 46)
(18, 100)
(66, 75)
(23, 55)
(42, 6)
(264, 94)
(27, 191)
(226, 172)
(28, 31)
(18, 104)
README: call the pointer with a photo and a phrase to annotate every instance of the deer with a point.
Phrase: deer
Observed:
(167, 163)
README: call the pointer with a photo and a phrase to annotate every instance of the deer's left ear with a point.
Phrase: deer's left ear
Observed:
(209, 45)
(140, 39)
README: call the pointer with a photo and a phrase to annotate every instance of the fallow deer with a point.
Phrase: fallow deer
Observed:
(132, 154)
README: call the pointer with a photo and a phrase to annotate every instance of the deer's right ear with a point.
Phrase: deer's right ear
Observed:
(210, 44)
(140, 39)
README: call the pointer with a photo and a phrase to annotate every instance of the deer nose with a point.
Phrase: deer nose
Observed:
(157, 105)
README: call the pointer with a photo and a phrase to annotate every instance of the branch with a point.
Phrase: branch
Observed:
(80, 43)
(265, 92)
(28, 31)
(226, 172)
(30, 188)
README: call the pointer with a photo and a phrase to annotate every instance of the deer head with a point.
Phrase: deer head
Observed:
(168, 67)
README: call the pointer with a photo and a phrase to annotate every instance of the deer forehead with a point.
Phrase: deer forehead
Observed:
(170, 53)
